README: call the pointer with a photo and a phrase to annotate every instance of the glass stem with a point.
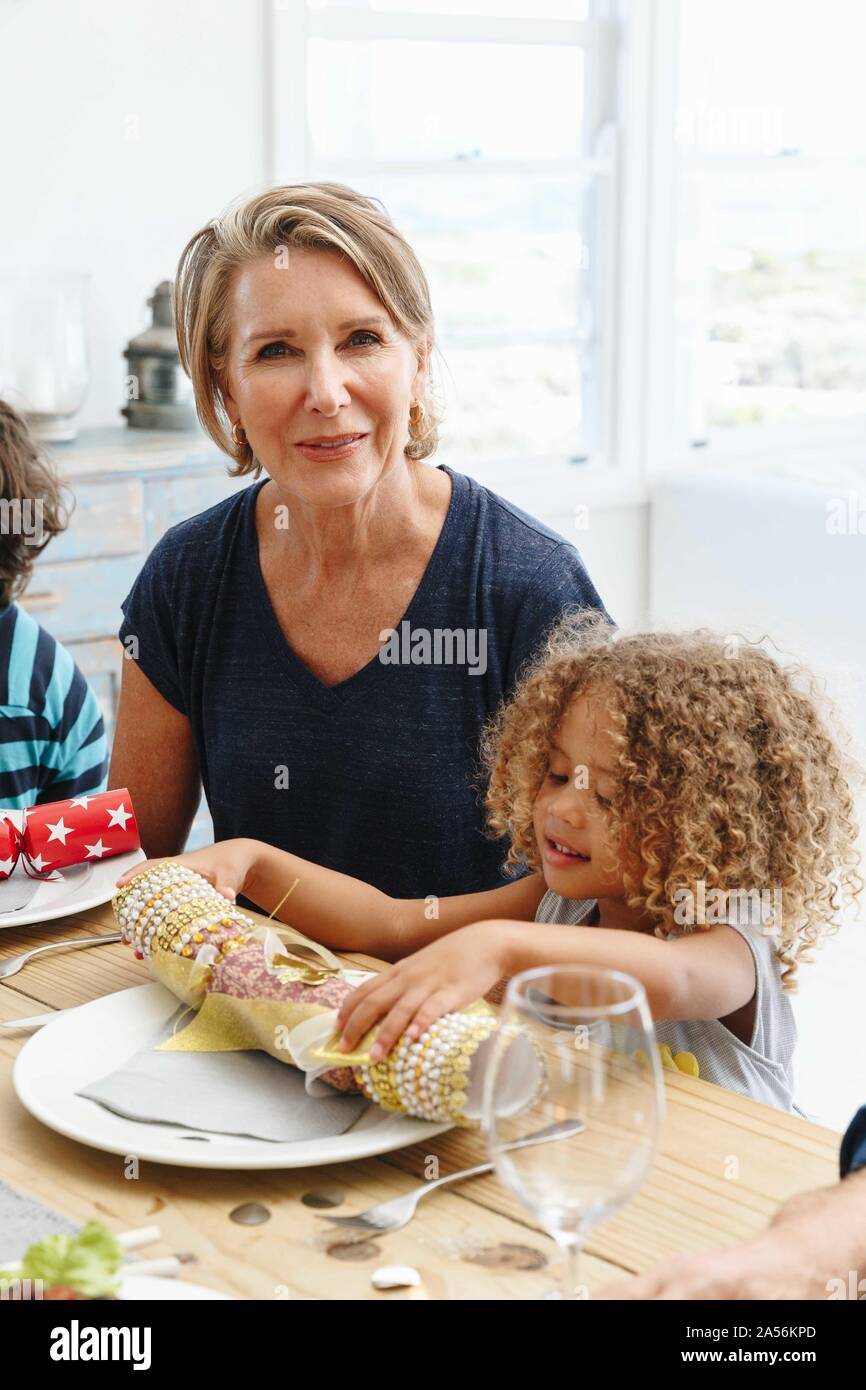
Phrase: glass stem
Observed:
(569, 1246)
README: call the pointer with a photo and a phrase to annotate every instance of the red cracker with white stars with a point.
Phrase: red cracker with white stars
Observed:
(63, 833)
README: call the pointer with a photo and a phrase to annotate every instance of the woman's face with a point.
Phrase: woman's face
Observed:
(572, 807)
(296, 372)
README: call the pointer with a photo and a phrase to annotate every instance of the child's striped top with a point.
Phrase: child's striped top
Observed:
(52, 738)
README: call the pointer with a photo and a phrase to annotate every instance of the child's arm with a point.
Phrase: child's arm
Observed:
(703, 975)
(343, 912)
(350, 915)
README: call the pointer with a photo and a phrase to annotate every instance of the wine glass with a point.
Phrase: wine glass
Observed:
(575, 1047)
(43, 349)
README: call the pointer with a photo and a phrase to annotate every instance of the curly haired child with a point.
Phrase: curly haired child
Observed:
(657, 785)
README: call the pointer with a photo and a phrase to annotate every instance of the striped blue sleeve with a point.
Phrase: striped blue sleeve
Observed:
(79, 755)
(52, 738)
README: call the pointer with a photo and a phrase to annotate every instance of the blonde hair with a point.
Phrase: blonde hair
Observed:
(725, 773)
(312, 216)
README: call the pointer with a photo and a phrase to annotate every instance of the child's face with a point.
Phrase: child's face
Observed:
(572, 806)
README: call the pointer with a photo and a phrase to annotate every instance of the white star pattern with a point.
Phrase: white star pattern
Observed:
(29, 829)
(119, 816)
(59, 830)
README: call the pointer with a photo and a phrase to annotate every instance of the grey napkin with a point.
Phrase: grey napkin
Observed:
(245, 1093)
(17, 891)
(24, 1220)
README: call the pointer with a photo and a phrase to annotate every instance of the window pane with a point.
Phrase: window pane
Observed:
(771, 278)
(773, 76)
(500, 9)
(509, 402)
(513, 280)
(396, 100)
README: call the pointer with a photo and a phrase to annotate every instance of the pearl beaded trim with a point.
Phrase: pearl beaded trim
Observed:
(428, 1077)
(170, 907)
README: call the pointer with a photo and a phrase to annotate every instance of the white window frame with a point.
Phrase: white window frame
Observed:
(634, 126)
(289, 24)
(747, 447)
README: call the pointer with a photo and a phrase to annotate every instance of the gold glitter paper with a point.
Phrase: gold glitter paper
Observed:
(225, 1023)
(428, 1077)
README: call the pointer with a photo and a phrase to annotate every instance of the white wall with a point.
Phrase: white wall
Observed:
(615, 551)
(126, 126)
(753, 554)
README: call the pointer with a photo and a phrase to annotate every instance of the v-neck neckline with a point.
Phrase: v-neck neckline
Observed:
(332, 698)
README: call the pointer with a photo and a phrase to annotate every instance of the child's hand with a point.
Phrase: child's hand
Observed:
(226, 865)
(437, 980)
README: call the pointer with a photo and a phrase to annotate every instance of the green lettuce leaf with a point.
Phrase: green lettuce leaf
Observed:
(87, 1262)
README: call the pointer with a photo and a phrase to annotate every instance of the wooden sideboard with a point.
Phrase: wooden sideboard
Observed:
(129, 487)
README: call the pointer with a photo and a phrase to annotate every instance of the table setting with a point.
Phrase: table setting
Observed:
(221, 1061)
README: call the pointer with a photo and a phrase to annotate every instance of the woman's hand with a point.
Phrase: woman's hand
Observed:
(812, 1244)
(439, 979)
(226, 865)
(773, 1266)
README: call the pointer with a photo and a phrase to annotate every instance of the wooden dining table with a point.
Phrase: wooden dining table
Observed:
(724, 1164)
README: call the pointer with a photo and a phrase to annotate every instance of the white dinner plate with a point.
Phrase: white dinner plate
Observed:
(90, 1041)
(79, 888)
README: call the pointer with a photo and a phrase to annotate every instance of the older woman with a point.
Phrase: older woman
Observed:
(321, 649)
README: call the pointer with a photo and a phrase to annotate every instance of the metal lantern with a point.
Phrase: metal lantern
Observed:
(159, 393)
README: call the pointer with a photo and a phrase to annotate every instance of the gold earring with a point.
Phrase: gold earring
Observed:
(235, 440)
(420, 407)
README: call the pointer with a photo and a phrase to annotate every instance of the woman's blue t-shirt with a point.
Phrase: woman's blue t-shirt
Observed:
(375, 776)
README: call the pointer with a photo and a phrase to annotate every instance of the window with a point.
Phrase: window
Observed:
(642, 221)
(482, 126)
(770, 273)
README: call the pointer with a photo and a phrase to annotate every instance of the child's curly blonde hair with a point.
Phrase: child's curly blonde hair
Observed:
(725, 773)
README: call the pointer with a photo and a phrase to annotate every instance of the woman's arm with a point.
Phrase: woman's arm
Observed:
(154, 756)
(812, 1245)
(347, 914)
(706, 975)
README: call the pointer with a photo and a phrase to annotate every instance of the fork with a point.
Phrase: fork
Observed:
(15, 963)
(396, 1213)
